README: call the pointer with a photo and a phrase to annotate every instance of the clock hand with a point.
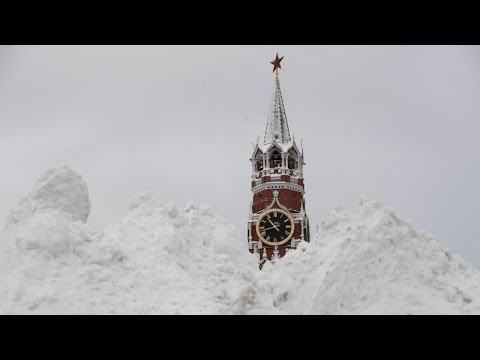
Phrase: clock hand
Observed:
(270, 221)
(273, 227)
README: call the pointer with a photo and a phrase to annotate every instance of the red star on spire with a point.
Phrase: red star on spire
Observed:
(276, 63)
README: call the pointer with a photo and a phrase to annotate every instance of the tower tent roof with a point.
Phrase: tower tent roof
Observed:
(277, 125)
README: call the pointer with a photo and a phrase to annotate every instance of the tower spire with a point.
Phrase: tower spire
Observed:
(277, 125)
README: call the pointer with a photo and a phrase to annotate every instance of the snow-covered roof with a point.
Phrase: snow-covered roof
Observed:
(277, 126)
(284, 146)
(277, 133)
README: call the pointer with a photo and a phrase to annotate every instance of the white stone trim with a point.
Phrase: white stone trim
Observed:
(275, 185)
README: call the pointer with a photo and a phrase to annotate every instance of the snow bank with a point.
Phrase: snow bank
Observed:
(370, 261)
(61, 189)
(159, 259)
(156, 260)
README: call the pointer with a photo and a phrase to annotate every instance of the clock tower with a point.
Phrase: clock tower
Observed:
(278, 221)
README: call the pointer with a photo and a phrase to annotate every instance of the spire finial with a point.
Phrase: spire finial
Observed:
(277, 127)
(276, 65)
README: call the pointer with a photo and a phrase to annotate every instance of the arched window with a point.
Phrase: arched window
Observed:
(292, 162)
(275, 159)
(258, 161)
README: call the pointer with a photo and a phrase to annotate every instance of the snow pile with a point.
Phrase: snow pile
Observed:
(181, 262)
(370, 261)
(156, 260)
(60, 188)
(161, 260)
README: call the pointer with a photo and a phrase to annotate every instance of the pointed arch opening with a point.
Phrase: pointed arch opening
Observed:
(258, 161)
(275, 158)
(292, 160)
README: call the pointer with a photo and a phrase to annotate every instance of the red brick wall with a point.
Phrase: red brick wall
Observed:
(290, 198)
(297, 232)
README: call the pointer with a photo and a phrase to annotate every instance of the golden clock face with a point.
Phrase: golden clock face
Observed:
(275, 227)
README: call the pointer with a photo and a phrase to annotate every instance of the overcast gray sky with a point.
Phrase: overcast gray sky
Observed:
(399, 124)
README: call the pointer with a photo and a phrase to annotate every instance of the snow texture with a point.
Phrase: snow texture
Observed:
(370, 261)
(162, 260)
(60, 188)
